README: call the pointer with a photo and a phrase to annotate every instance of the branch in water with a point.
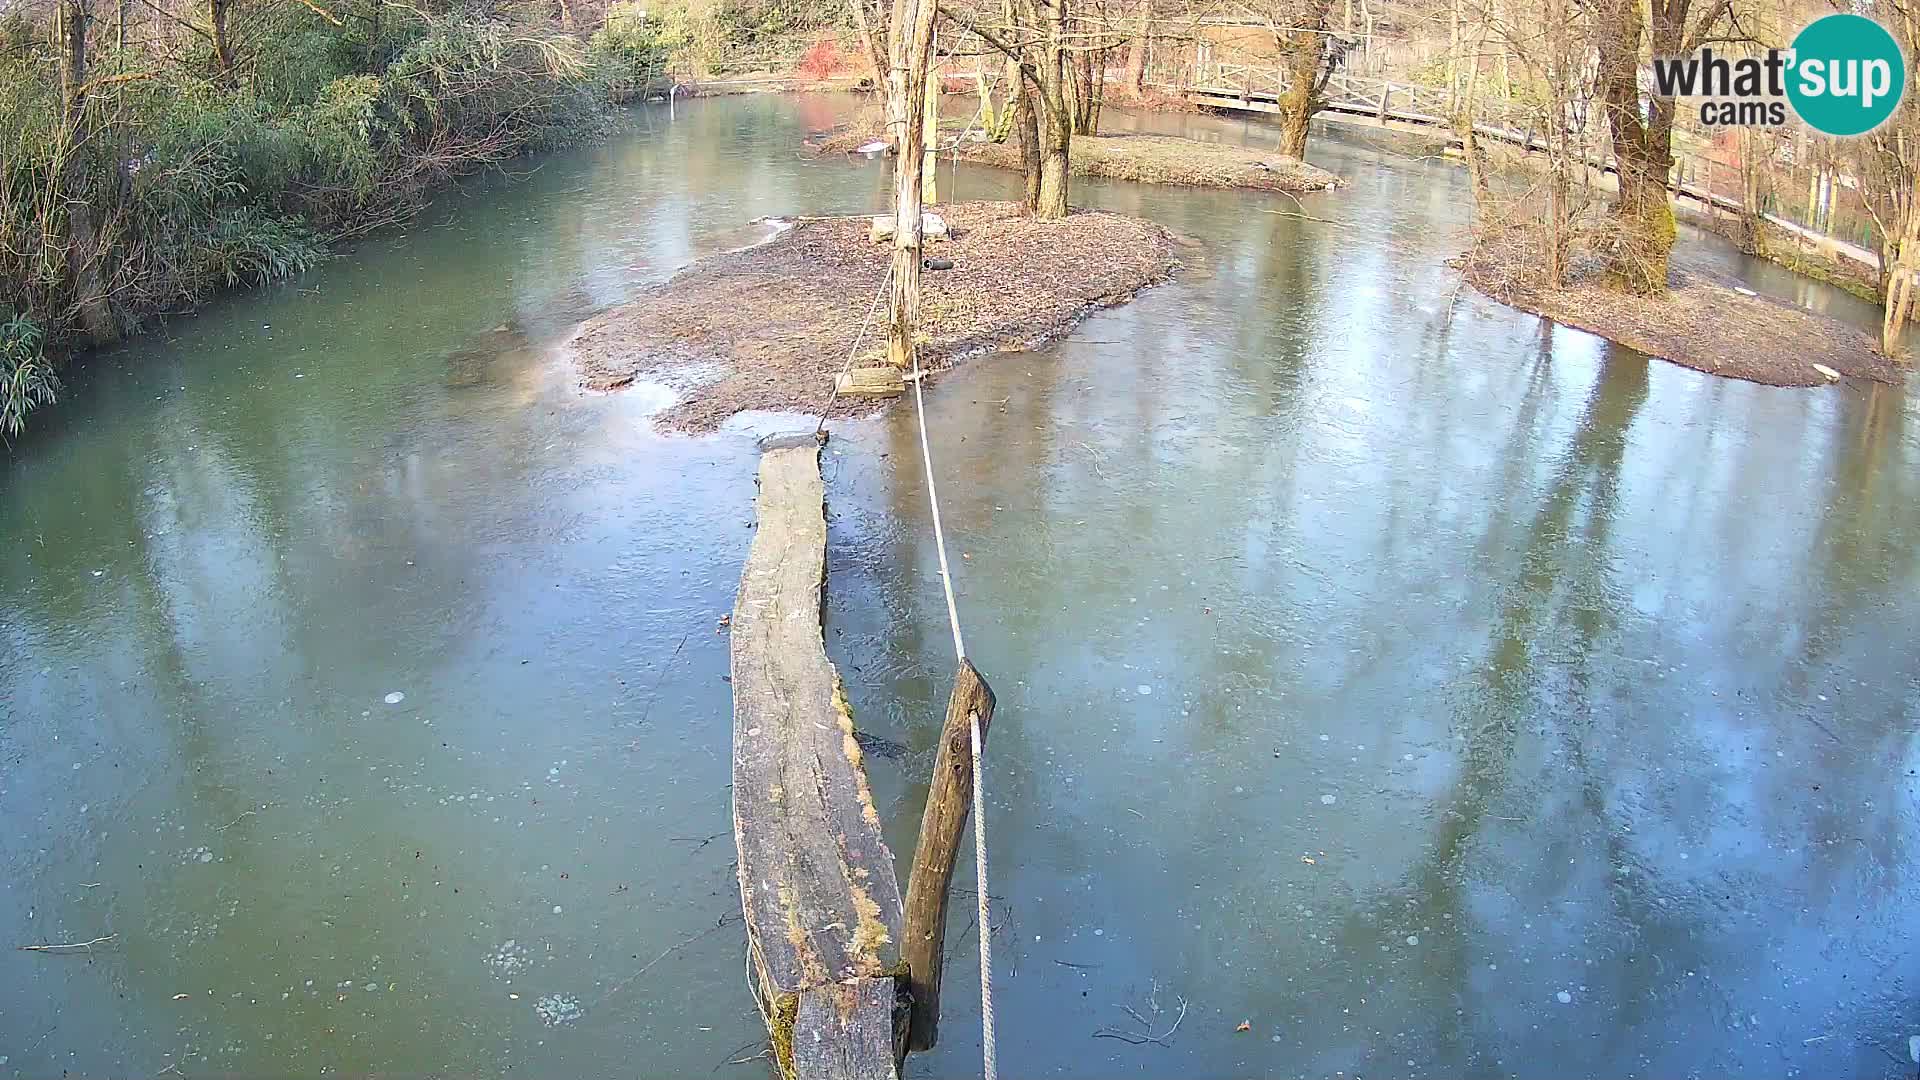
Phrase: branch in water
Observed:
(56, 947)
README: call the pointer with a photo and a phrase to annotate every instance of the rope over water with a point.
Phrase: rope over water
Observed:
(989, 1068)
(979, 786)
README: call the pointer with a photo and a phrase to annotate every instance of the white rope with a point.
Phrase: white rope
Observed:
(980, 888)
(960, 656)
(979, 785)
(939, 534)
(854, 352)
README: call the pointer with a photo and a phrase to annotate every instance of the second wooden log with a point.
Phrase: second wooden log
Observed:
(949, 801)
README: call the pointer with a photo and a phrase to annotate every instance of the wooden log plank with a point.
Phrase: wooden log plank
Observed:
(849, 1030)
(816, 878)
(949, 801)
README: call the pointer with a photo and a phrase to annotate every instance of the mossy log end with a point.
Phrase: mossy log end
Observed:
(817, 881)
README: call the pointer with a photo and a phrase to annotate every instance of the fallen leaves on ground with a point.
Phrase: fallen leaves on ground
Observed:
(770, 326)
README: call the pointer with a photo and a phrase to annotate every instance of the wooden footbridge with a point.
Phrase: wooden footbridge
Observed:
(1380, 102)
(845, 970)
(1408, 106)
(824, 913)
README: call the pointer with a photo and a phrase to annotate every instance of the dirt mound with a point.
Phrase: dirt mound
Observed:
(1702, 322)
(769, 327)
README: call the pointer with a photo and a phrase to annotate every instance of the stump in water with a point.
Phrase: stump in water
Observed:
(949, 801)
(816, 878)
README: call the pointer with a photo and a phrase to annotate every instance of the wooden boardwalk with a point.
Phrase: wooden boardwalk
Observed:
(1380, 102)
(817, 882)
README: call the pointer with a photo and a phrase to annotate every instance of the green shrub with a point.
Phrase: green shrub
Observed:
(26, 377)
(639, 44)
(245, 245)
(177, 185)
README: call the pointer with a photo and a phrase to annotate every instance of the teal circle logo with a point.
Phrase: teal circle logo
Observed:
(1847, 75)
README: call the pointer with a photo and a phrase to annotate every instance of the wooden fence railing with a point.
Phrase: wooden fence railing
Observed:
(1259, 87)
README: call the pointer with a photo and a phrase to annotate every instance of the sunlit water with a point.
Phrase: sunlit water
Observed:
(1435, 694)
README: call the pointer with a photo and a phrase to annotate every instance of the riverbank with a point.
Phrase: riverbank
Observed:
(770, 326)
(173, 185)
(1146, 159)
(1700, 322)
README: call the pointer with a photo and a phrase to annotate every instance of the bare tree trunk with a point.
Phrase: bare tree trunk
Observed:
(1055, 127)
(1453, 53)
(90, 306)
(1465, 119)
(1752, 225)
(1137, 51)
(912, 56)
(217, 12)
(1305, 61)
(1560, 76)
(1297, 105)
(1902, 269)
(566, 14)
(1085, 74)
(1070, 89)
(1097, 86)
(870, 46)
(1642, 153)
(1025, 123)
(1054, 119)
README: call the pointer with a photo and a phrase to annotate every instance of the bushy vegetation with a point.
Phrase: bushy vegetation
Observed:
(639, 43)
(154, 152)
(26, 378)
(136, 181)
(702, 38)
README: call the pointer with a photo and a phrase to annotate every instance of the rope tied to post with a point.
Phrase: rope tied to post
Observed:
(973, 723)
(979, 702)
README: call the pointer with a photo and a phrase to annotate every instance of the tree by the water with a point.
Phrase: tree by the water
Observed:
(1643, 139)
(909, 87)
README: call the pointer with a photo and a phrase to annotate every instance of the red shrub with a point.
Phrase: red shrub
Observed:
(822, 59)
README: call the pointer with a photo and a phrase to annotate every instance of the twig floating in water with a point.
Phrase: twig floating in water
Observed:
(654, 694)
(1096, 460)
(1138, 1038)
(57, 946)
(668, 951)
(1305, 217)
(1831, 734)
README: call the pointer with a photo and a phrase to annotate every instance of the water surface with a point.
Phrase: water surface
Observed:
(1433, 690)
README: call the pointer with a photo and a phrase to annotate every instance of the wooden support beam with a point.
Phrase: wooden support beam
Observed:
(871, 382)
(949, 801)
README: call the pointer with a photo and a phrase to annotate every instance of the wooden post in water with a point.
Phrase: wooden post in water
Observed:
(948, 802)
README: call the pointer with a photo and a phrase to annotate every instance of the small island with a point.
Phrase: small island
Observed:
(768, 327)
(1698, 321)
